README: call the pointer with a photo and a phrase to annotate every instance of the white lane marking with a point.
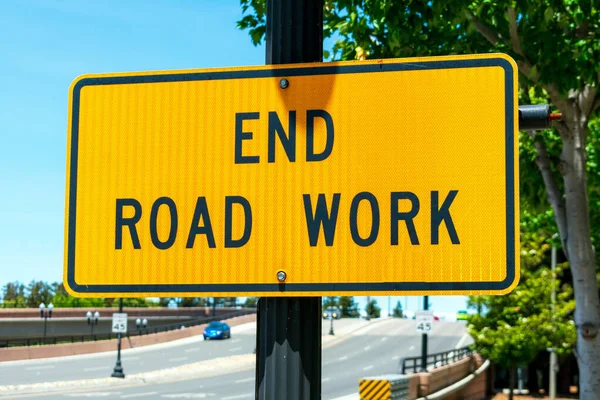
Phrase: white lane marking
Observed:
(244, 380)
(325, 379)
(188, 395)
(368, 367)
(130, 396)
(93, 394)
(40, 367)
(367, 348)
(177, 359)
(235, 340)
(191, 350)
(462, 341)
(129, 358)
(411, 348)
(239, 396)
(343, 358)
(235, 349)
(383, 339)
(96, 368)
(395, 358)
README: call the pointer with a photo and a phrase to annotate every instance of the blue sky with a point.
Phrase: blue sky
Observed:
(45, 45)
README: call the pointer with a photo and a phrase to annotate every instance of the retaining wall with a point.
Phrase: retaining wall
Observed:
(427, 383)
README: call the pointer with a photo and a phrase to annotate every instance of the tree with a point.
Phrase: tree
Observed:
(251, 302)
(13, 295)
(39, 292)
(514, 328)
(134, 302)
(556, 47)
(164, 301)
(397, 313)
(330, 301)
(372, 309)
(229, 302)
(348, 307)
(188, 302)
(204, 302)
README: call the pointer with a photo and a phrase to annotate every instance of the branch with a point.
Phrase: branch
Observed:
(487, 31)
(563, 130)
(554, 196)
(514, 34)
(563, 105)
(525, 66)
(596, 104)
(586, 99)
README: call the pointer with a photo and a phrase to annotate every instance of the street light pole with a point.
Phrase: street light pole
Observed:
(118, 370)
(367, 308)
(92, 319)
(552, 308)
(331, 326)
(45, 313)
(141, 324)
(424, 339)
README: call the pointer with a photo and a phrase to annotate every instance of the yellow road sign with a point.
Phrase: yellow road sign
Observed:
(395, 176)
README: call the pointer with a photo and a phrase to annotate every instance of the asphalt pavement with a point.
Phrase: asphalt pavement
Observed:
(375, 348)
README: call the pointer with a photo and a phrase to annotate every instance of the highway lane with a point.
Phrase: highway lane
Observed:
(380, 351)
(143, 359)
(373, 350)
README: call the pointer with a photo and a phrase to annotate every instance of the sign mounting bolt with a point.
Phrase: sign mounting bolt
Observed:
(284, 83)
(281, 276)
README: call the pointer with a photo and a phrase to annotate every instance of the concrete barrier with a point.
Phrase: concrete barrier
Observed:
(384, 387)
(68, 349)
(424, 384)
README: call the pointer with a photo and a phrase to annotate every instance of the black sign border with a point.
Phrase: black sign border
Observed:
(325, 69)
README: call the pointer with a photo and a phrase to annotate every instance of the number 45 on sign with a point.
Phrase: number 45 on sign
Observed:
(119, 323)
(424, 321)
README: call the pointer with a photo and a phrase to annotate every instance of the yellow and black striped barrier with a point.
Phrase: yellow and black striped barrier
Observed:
(383, 387)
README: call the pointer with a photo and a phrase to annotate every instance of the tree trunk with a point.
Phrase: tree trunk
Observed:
(511, 381)
(581, 256)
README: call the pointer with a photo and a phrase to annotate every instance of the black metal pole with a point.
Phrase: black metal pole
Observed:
(288, 340)
(331, 326)
(118, 370)
(214, 310)
(424, 339)
(368, 318)
(45, 326)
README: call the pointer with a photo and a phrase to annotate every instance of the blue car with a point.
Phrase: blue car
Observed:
(217, 330)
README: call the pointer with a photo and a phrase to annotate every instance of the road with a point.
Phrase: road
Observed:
(374, 349)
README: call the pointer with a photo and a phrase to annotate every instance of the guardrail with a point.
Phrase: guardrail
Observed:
(107, 336)
(384, 387)
(414, 364)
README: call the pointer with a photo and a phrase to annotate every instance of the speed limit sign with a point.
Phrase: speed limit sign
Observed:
(424, 321)
(119, 323)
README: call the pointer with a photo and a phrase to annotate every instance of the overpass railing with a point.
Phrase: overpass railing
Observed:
(414, 364)
(106, 336)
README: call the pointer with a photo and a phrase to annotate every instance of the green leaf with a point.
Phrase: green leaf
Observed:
(548, 14)
(533, 72)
